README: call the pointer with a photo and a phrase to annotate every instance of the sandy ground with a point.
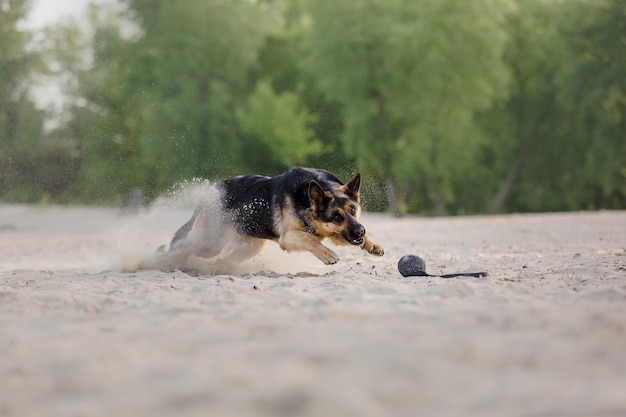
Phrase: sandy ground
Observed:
(543, 335)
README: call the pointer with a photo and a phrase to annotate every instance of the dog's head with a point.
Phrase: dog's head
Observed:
(336, 212)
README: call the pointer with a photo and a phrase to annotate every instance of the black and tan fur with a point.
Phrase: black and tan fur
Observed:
(297, 209)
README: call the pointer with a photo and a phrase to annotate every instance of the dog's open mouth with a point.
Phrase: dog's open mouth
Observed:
(356, 241)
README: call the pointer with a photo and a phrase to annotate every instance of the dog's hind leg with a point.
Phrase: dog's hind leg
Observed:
(243, 248)
(203, 236)
(237, 249)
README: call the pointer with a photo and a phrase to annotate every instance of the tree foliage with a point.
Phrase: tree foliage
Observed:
(410, 75)
(592, 91)
(280, 122)
(31, 165)
(565, 121)
(450, 106)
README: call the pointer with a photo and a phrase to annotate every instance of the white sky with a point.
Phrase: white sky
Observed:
(47, 12)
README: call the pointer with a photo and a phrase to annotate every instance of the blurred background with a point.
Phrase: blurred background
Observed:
(446, 107)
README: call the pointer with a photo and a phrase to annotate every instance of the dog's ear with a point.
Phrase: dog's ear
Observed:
(317, 195)
(352, 188)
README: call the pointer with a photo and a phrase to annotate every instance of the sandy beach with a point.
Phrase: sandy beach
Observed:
(543, 335)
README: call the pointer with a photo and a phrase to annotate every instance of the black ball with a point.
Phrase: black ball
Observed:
(412, 265)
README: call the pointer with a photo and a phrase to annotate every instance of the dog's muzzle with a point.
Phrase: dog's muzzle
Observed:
(356, 235)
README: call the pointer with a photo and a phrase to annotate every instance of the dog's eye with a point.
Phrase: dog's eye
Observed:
(338, 218)
(353, 210)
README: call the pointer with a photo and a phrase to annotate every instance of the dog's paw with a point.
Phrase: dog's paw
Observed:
(327, 256)
(377, 250)
(331, 259)
(373, 248)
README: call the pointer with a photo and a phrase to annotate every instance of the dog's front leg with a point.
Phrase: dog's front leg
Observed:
(297, 240)
(372, 247)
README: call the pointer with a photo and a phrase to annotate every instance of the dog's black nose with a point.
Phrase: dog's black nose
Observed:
(355, 233)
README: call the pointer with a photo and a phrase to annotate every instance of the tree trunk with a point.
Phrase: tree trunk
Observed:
(505, 189)
(437, 182)
(516, 167)
(440, 205)
(11, 122)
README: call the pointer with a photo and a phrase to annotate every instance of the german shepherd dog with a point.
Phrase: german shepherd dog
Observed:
(296, 209)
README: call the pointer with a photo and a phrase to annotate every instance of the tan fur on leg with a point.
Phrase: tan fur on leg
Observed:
(297, 240)
(372, 247)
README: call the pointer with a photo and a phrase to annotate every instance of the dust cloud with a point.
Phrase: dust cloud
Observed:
(143, 239)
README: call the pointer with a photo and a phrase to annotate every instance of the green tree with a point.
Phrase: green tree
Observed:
(158, 104)
(16, 66)
(410, 76)
(592, 90)
(562, 129)
(104, 113)
(280, 60)
(31, 164)
(280, 122)
(526, 124)
(193, 62)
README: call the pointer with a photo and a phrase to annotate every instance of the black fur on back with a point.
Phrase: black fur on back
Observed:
(252, 200)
